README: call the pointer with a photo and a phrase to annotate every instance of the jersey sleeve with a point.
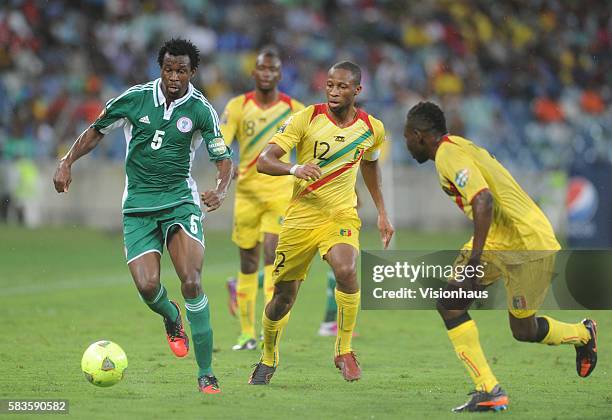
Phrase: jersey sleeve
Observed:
(116, 111)
(292, 130)
(459, 169)
(210, 132)
(373, 153)
(230, 119)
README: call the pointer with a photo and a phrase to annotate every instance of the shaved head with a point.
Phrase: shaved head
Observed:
(352, 67)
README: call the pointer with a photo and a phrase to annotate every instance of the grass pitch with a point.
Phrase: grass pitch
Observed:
(62, 289)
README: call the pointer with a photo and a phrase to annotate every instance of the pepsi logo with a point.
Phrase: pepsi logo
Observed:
(582, 200)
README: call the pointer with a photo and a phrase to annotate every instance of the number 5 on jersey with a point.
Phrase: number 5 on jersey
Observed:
(157, 139)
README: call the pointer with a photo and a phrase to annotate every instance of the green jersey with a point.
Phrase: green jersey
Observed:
(161, 144)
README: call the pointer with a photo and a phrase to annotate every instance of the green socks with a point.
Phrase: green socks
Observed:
(198, 315)
(162, 305)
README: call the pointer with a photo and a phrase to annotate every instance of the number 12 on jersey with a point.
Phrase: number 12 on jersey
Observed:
(317, 153)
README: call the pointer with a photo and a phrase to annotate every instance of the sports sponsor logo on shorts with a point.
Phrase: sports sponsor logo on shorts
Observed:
(345, 232)
(184, 124)
(519, 302)
(462, 177)
(217, 146)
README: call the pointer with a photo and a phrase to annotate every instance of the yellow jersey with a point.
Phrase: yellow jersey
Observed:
(337, 151)
(518, 224)
(252, 125)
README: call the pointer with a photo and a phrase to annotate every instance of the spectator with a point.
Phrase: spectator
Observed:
(61, 60)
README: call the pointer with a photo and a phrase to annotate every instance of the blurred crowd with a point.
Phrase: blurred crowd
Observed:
(529, 80)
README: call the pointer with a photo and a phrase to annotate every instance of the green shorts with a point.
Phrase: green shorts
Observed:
(148, 232)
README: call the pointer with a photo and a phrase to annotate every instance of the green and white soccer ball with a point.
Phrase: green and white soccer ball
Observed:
(104, 363)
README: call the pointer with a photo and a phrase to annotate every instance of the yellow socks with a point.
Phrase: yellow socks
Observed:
(246, 293)
(562, 333)
(348, 305)
(272, 331)
(467, 346)
(268, 282)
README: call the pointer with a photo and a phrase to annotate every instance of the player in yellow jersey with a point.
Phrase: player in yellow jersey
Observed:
(512, 240)
(252, 119)
(332, 141)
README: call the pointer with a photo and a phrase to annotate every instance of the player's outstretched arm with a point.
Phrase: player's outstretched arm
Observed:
(84, 144)
(482, 210)
(373, 180)
(213, 199)
(269, 163)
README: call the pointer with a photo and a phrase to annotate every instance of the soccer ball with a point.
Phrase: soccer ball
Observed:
(104, 363)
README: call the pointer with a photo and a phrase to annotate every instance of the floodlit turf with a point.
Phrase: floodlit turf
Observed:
(62, 289)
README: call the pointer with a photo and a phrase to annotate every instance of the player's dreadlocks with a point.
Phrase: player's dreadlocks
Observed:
(178, 46)
(427, 116)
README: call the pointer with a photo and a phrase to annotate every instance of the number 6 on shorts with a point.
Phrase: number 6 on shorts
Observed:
(193, 225)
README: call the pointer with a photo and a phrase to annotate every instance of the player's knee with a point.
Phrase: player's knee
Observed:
(282, 302)
(148, 286)
(248, 265)
(188, 274)
(285, 300)
(449, 307)
(444, 313)
(249, 261)
(453, 305)
(278, 308)
(190, 284)
(450, 310)
(345, 273)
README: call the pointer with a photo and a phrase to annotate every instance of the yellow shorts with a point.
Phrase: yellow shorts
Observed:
(526, 283)
(253, 218)
(296, 247)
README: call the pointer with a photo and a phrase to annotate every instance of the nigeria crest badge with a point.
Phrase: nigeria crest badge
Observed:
(184, 124)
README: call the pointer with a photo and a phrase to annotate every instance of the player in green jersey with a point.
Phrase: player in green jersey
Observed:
(164, 122)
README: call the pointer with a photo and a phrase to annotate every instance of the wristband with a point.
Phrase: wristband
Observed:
(293, 169)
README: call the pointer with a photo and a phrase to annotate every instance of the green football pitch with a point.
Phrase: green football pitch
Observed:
(62, 289)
